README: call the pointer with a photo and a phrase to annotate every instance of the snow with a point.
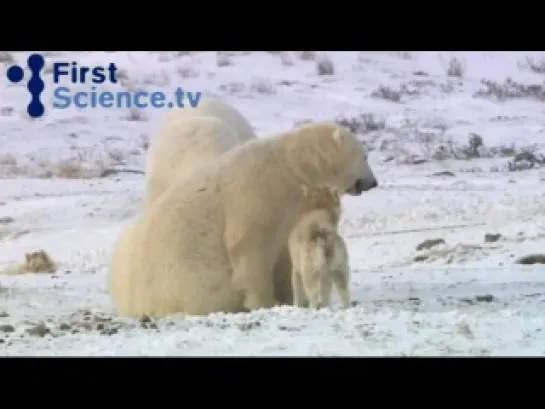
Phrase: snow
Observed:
(468, 297)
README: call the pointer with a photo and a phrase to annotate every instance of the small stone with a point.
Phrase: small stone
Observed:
(428, 244)
(484, 298)
(7, 220)
(110, 331)
(4, 314)
(491, 237)
(420, 257)
(65, 327)
(443, 173)
(7, 328)
(531, 259)
(39, 330)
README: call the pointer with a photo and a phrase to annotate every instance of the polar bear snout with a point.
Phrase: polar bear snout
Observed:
(362, 185)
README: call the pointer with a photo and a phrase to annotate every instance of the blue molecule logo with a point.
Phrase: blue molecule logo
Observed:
(35, 85)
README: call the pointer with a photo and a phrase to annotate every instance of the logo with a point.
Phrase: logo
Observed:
(35, 84)
(69, 73)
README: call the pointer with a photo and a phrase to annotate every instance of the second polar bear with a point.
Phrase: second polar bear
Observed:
(211, 241)
(318, 253)
(188, 138)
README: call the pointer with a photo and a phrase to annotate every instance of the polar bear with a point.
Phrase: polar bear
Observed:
(211, 241)
(318, 252)
(187, 138)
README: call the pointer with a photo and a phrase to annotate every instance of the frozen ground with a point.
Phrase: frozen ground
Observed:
(463, 297)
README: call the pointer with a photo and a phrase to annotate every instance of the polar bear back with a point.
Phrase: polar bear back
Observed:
(182, 146)
(216, 108)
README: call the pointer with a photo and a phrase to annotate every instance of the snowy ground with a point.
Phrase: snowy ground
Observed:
(463, 297)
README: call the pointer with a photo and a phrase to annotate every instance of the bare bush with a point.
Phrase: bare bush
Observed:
(362, 124)
(525, 160)
(324, 65)
(285, 58)
(135, 115)
(307, 55)
(387, 93)
(144, 142)
(394, 95)
(187, 72)
(536, 66)
(6, 57)
(406, 55)
(232, 87)
(223, 59)
(455, 68)
(158, 78)
(510, 90)
(82, 163)
(263, 86)
(68, 169)
(122, 74)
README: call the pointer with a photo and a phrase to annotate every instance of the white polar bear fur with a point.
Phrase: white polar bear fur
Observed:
(211, 241)
(188, 138)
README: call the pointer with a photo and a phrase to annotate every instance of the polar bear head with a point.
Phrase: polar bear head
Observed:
(327, 153)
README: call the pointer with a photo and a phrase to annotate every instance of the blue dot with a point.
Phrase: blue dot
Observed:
(170, 104)
(36, 62)
(35, 109)
(15, 73)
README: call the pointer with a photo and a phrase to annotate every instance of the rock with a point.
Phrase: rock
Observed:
(491, 238)
(428, 244)
(7, 220)
(421, 257)
(39, 330)
(531, 259)
(65, 327)
(7, 328)
(147, 323)
(485, 298)
(443, 173)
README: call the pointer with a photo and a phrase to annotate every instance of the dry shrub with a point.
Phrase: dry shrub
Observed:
(83, 163)
(6, 57)
(263, 86)
(510, 90)
(187, 72)
(362, 124)
(307, 55)
(232, 87)
(324, 65)
(455, 68)
(406, 55)
(223, 59)
(535, 66)
(35, 262)
(285, 58)
(136, 115)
